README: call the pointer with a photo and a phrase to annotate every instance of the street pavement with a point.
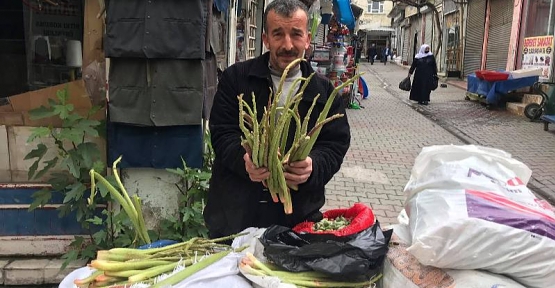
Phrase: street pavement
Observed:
(389, 132)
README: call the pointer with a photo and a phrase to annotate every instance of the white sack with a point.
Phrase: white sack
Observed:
(401, 269)
(469, 208)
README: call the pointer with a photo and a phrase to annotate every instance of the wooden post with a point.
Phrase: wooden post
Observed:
(93, 32)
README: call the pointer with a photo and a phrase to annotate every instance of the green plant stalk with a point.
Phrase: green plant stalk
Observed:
(86, 281)
(141, 220)
(256, 133)
(124, 273)
(129, 265)
(185, 273)
(155, 271)
(119, 198)
(124, 191)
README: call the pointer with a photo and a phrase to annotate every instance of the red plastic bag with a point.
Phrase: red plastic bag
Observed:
(361, 217)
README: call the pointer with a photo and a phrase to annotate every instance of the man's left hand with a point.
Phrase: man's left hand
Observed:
(298, 172)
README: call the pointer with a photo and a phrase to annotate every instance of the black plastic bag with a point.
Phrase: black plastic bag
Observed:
(359, 256)
(405, 85)
(434, 82)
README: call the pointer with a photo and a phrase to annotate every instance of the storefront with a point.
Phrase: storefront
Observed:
(536, 37)
(42, 46)
(500, 20)
(475, 28)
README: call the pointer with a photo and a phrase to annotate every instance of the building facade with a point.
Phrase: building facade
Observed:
(374, 24)
(480, 35)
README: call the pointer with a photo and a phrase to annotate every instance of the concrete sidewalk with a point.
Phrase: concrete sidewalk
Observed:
(387, 135)
(389, 132)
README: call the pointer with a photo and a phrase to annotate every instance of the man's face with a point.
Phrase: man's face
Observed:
(427, 49)
(287, 38)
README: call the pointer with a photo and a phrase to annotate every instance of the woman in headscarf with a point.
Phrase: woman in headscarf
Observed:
(425, 68)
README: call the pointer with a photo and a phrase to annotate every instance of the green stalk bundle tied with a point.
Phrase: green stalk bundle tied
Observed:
(265, 140)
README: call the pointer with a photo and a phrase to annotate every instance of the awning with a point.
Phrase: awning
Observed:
(368, 28)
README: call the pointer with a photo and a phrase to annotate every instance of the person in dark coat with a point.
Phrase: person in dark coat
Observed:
(425, 68)
(237, 197)
(386, 52)
(371, 53)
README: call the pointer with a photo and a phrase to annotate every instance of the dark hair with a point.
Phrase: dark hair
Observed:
(283, 8)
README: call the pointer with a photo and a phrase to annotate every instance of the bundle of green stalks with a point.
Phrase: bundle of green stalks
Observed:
(131, 206)
(251, 265)
(265, 140)
(122, 267)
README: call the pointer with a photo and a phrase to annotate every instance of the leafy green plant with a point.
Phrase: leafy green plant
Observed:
(75, 155)
(193, 187)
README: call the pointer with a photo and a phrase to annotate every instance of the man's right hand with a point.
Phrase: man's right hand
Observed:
(255, 174)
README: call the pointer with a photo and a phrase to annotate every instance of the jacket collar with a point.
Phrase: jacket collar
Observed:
(261, 70)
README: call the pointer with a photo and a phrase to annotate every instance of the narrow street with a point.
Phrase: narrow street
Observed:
(389, 132)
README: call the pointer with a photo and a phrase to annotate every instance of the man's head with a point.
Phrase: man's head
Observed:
(286, 33)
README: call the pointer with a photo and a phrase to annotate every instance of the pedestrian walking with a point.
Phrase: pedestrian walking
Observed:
(371, 53)
(424, 68)
(386, 52)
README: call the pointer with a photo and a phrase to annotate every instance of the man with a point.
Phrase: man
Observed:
(385, 53)
(237, 198)
(372, 52)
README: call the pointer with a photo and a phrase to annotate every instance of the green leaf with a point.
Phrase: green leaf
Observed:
(71, 119)
(96, 220)
(63, 110)
(98, 166)
(49, 164)
(52, 102)
(38, 132)
(89, 153)
(41, 113)
(99, 236)
(69, 257)
(37, 152)
(40, 198)
(59, 181)
(33, 169)
(103, 190)
(62, 95)
(72, 164)
(70, 134)
(76, 192)
(89, 252)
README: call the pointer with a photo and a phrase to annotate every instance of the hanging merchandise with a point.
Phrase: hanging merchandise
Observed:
(326, 11)
(315, 17)
(344, 13)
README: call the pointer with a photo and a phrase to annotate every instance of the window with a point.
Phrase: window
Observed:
(375, 7)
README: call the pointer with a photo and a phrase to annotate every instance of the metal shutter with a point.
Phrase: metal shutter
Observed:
(406, 43)
(474, 36)
(429, 25)
(500, 22)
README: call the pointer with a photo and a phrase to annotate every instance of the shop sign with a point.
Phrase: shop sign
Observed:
(537, 52)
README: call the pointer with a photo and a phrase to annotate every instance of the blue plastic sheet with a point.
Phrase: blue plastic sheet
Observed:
(494, 90)
(344, 13)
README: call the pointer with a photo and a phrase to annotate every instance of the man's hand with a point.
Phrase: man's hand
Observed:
(298, 172)
(255, 174)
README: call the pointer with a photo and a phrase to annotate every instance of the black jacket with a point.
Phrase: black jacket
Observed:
(234, 201)
(170, 29)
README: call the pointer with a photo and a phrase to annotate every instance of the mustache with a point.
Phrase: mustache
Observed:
(286, 53)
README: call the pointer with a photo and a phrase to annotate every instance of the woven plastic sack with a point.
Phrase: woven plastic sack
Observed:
(401, 269)
(361, 217)
(469, 208)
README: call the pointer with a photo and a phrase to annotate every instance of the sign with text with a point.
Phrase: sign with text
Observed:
(537, 52)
